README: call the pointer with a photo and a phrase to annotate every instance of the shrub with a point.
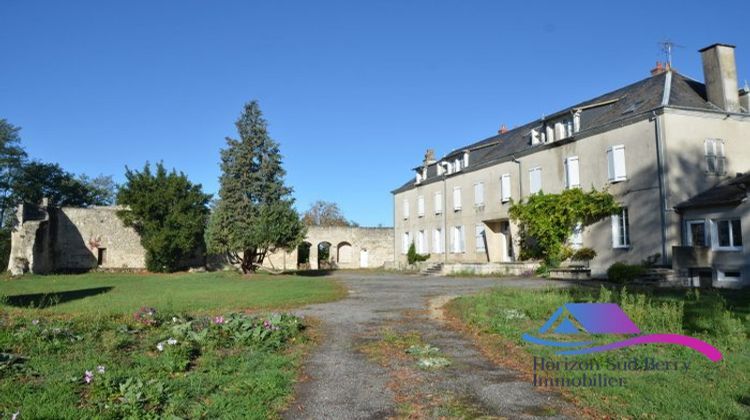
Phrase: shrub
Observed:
(583, 254)
(413, 257)
(622, 273)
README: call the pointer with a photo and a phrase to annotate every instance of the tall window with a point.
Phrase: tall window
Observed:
(535, 180)
(437, 241)
(715, 159)
(405, 242)
(616, 163)
(505, 188)
(420, 206)
(421, 243)
(479, 236)
(728, 234)
(406, 208)
(479, 194)
(438, 202)
(572, 178)
(457, 239)
(457, 198)
(621, 229)
(695, 233)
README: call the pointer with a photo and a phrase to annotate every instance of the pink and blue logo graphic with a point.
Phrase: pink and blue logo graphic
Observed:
(607, 318)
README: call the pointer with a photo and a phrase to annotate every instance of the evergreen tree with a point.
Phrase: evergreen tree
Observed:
(12, 157)
(168, 211)
(254, 213)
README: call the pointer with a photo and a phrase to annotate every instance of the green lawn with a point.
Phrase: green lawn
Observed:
(705, 390)
(105, 293)
(79, 346)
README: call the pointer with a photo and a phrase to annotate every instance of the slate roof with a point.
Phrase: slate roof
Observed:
(632, 102)
(726, 193)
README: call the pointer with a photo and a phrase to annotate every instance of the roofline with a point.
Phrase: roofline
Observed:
(717, 44)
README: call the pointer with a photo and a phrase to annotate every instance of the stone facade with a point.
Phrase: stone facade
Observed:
(50, 239)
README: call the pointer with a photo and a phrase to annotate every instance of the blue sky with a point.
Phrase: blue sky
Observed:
(354, 91)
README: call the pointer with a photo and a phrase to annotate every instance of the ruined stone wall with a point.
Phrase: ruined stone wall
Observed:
(81, 234)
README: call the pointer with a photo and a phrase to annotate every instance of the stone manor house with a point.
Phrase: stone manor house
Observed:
(671, 149)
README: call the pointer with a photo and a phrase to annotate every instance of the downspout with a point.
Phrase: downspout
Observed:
(396, 264)
(445, 219)
(520, 180)
(662, 193)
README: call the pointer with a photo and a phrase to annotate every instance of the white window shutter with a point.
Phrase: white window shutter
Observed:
(438, 203)
(457, 198)
(505, 188)
(619, 155)
(615, 230)
(420, 205)
(406, 208)
(535, 180)
(572, 173)
(478, 194)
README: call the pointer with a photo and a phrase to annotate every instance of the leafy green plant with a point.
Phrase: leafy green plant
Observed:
(622, 273)
(413, 257)
(583, 254)
(546, 221)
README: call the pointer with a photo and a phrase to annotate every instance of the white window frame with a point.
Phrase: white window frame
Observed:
(420, 206)
(405, 208)
(620, 233)
(421, 242)
(576, 237)
(479, 194)
(438, 202)
(505, 193)
(456, 198)
(706, 232)
(616, 167)
(715, 235)
(479, 233)
(437, 240)
(572, 172)
(722, 277)
(714, 150)
(458, 239)
(532, 171)
(405, 242)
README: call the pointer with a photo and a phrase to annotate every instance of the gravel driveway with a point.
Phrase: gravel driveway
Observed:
(344, 383)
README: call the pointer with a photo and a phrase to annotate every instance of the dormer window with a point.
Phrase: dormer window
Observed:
(577, 121)
(440, 169)
(419, 178)
(466, 159)
(534, 136)
(457, 165)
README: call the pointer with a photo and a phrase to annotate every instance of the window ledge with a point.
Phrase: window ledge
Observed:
(621, 247)
(727, 249)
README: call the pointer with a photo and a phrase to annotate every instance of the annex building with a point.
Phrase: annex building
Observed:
(660, 145)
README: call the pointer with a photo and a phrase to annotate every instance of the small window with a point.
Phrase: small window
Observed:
(479, 194)
(479, 236)
(616, 163)
(621, 229)
(456, 198)
(729, 275)
(728, 234)
(505, 188)
(420, 206)
(715, 159)
(438, 202)
(695, 233)
(535, 180)
(572, 178)
(406, 209)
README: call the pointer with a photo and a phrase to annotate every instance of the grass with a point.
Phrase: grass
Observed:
(108, 293)
(178, 361)
(705, 390)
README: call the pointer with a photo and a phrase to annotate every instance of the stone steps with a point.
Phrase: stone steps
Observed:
(434, 269)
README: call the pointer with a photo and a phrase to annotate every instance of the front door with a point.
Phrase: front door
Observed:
(363, 258)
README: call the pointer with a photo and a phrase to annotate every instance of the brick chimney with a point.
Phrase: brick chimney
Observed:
(503, 129)
(720, 74)
(659, 69)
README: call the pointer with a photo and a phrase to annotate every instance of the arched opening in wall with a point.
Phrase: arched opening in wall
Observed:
(325, 260)
(303, 256)
(344, 253)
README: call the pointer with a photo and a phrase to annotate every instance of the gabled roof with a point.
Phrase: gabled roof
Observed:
(632, 102)
(727, 193)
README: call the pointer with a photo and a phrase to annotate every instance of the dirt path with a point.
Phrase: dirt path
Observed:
(361, 371)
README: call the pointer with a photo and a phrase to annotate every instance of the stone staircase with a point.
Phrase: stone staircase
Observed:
(661, 276)
(432, 269)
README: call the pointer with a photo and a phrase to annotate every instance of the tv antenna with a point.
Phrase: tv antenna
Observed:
(667, 47)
